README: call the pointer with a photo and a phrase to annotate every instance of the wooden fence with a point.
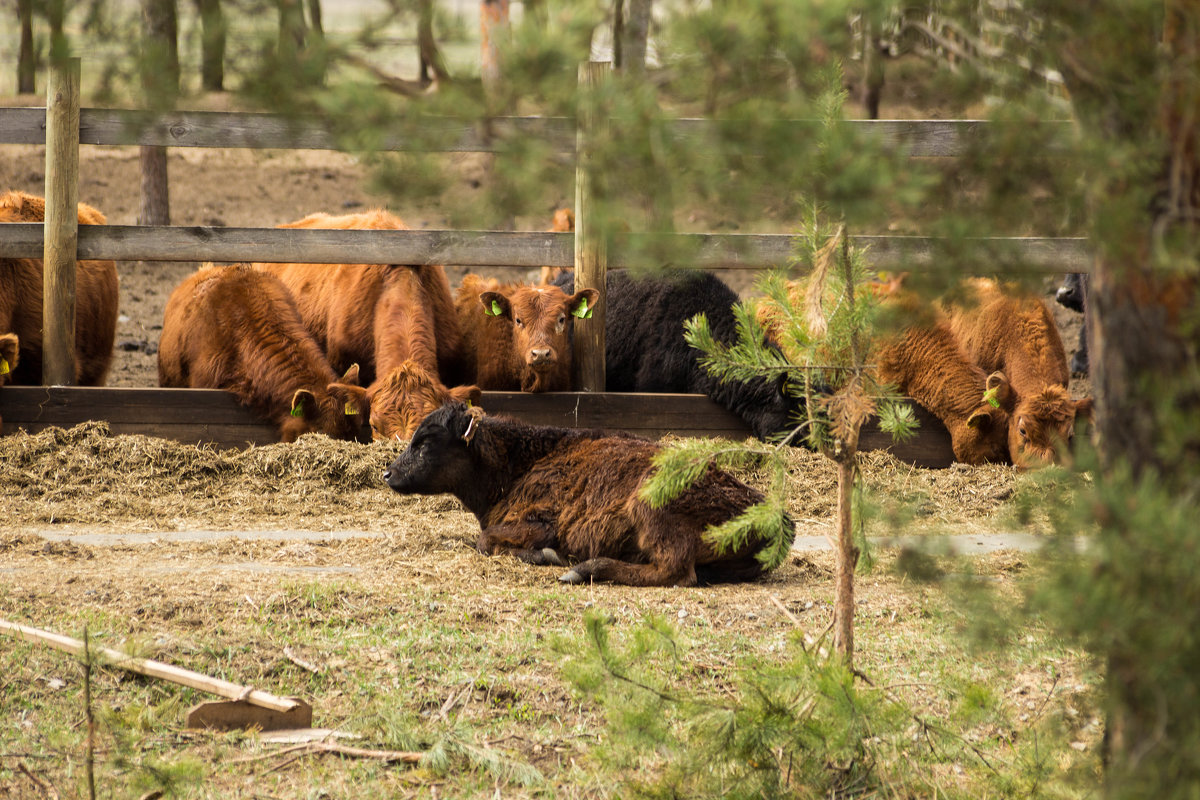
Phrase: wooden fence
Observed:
(207, 415)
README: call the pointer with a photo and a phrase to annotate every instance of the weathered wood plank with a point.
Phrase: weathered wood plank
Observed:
(529, 249)
(214, 417)
(112, 126)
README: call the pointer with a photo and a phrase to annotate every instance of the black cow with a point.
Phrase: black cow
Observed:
(645, 350)
(1073, 294)
(556, 495)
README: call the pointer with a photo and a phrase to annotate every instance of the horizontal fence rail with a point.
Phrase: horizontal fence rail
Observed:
(530, 249)
(214, 417)
(110, 126)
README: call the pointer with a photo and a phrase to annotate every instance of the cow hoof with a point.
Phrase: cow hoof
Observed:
(570, 577)
(552, 557)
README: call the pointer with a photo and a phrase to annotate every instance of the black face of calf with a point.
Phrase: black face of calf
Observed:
(436, 461)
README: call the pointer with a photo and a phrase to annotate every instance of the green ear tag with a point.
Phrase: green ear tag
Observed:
(298, 410)
(582, 311)
(496, 310)
(4, 370)
(351, 409)
(990, 397)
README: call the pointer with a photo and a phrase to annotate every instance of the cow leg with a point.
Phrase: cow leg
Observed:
(668, 541)
(533, 544)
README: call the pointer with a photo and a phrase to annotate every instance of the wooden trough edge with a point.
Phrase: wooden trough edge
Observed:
(213, 417)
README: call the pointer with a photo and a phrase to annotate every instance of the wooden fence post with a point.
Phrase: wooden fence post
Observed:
(591, 256)
(61, 228)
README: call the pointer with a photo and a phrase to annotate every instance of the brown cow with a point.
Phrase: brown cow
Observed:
(10, 352)
(21, 300)
(564, 222)
(405, 396)
(549, 495)
(1011, 330)
(378, 316)
(237, 328)
(519, 334)
(925, 362)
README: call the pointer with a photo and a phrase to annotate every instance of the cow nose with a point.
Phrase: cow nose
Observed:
(387, 475)
(539, 355)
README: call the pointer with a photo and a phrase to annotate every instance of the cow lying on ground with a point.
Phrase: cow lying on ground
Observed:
(237, 328)
(379, 316)
(1073, 294)
(553, 495)
(645, 350)
(519, 335)
(1012, 331)
(21, 301)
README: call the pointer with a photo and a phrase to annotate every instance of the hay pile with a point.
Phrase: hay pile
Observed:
(86, 477)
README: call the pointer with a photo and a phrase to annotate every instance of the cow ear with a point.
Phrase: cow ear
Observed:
(1084, 409)
(466, 394)
(473, 415)
(10, 347)
(980, 419)
(304, 405)
(351, 375)
(583, 302)
(495, 304)
(998, 392)
(352, 397)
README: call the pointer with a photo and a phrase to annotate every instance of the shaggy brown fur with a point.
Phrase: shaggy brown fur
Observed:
(1011, 330)
(547, 494)
(10, 352)
(924, 361)
(21, 301)
(405, 396)
(527, 346)
(378, 316)
(236, 328)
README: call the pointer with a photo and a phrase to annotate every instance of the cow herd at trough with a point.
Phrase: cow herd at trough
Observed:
(323, 348)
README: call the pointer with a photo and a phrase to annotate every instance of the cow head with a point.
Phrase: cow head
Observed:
(408, 394)
(1041, 427)
(983, 436)
(10, 349)
(336, 410)
(541, 328)
(438, 458)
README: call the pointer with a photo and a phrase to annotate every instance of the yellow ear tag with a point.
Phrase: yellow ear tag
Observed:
(990, 397)
(298, 410)
(4, 370)
(496, 310)
(582, 311)
(351, 409)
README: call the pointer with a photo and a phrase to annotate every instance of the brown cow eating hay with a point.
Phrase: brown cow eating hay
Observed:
(1011, 330)
(379, 316)
(236, 328)
(552, 495)
(21, 301)
(519, 335)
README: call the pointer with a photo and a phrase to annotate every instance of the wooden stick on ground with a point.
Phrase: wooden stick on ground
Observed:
(154, 669)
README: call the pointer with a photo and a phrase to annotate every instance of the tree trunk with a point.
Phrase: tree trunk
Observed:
(493, 26)
(160, 84)
(847, 561)
(1143, 306)
(872, 62)
(55, 13)
(291, 32)
(212, 45)
(26, 62)
(632, 40)
(314, 18)
(427, 49)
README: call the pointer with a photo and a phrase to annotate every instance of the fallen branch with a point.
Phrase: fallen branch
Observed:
(300, 662)
(154, 669)
(318, 748)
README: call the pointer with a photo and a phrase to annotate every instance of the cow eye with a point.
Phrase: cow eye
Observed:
(562, 319)
(1021, 430)
(520, 323)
